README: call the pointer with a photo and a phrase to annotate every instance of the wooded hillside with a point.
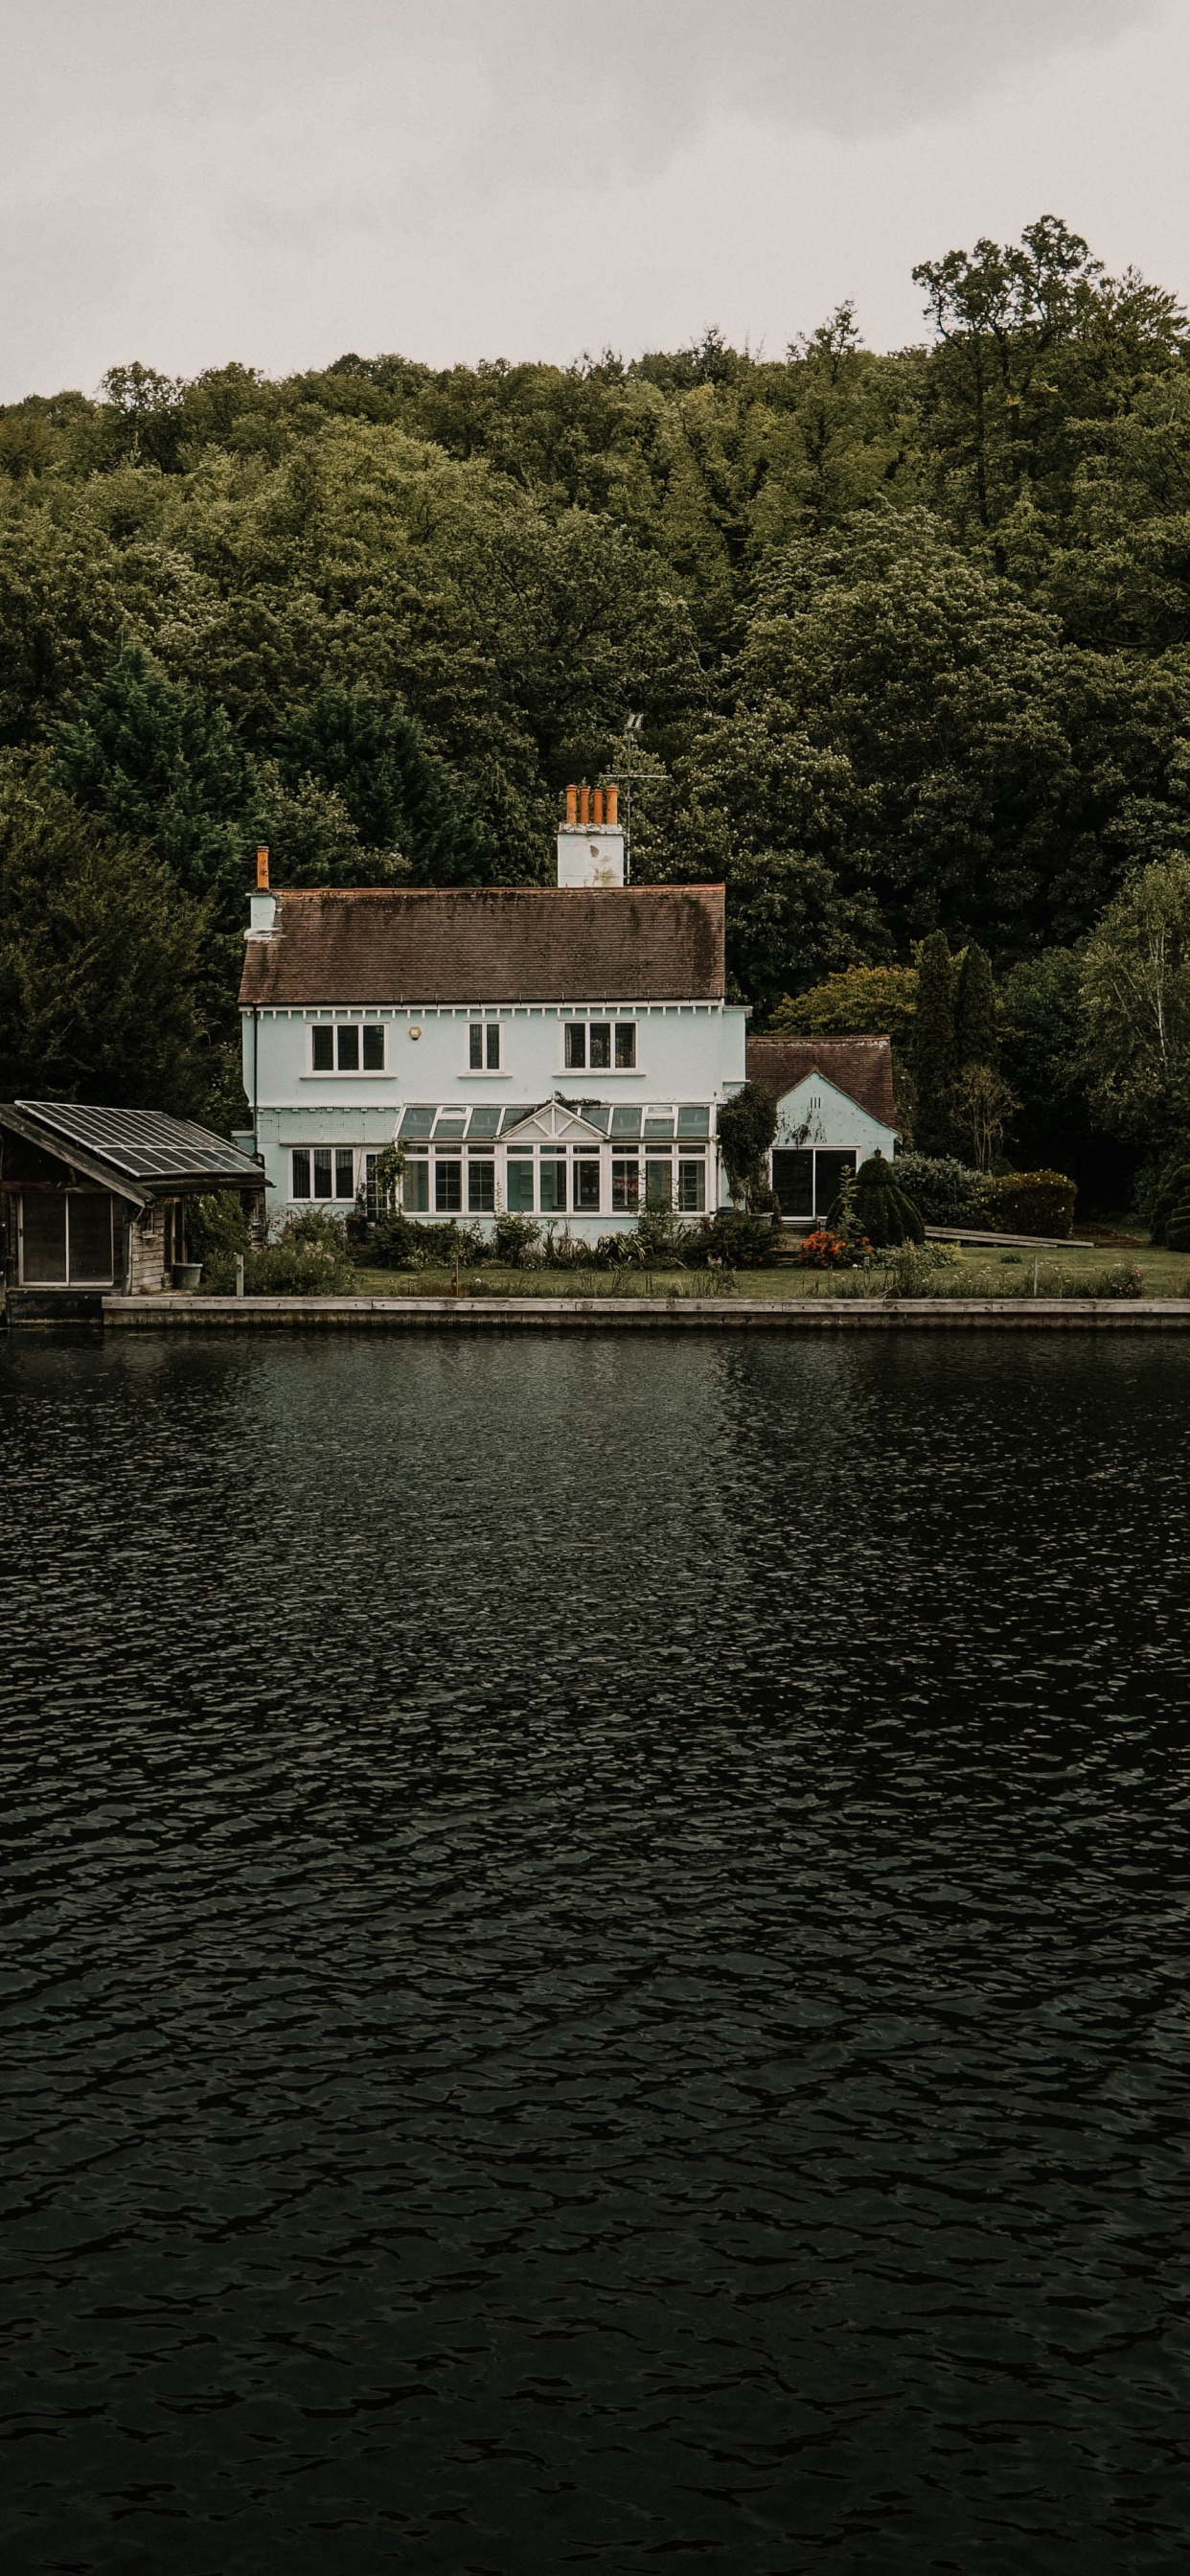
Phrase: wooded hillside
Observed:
(909, 634)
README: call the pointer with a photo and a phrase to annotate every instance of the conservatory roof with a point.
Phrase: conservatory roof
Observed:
(620, 1122)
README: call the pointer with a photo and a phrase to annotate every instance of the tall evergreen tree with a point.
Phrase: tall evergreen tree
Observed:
(935, 1062)
(977, 1037)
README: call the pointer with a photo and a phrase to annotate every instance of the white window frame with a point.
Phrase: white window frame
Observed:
(332, 1198)
(337, 1072)
(611, 1072)
(491, 1036)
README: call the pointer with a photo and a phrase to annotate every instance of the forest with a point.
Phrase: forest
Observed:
(895, 645)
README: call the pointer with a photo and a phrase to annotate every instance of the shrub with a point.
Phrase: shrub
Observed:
(1033, 1202)
(1169, 1204)
(945, 1191)
(308, 1257)
(1127, 1279)
(734, 1240)
(912, 1269)
(821, 1250)
(514, 1238)
(878, 1206)
(216, 1227)
(396, 1243)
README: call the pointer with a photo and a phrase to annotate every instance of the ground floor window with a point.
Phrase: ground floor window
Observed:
(625, 1183)
(66, 1236)
(659, 1182)
(806, 1181)
(520, 1184)
(415, 1186)
(692, 1186)
(553, 1184)
(481, 1189)
(448, 1186)
(586, 1183)
(323, 1172)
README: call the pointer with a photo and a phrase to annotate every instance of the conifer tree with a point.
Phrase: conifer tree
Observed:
(977, 1038)
(935, 1062)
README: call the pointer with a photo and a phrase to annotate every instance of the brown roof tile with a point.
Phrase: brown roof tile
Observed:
(490, 944)
(862, 1067)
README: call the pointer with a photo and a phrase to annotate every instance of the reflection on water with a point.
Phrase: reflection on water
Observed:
(597, 1951)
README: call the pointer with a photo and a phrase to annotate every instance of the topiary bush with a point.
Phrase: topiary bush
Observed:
(946, 1191)
(878, 1206)
(1033, 1202)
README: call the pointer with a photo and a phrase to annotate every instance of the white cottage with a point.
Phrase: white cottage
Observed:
(558, 1051)
(834, 1107)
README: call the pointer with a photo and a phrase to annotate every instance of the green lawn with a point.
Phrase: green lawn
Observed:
(1076, 1270)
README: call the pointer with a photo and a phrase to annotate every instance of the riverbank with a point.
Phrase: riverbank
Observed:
(681, 1309)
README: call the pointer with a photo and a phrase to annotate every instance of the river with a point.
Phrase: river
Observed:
(597, 1953)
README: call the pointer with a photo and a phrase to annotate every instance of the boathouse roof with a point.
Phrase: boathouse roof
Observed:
(862, 1067)
(137, 1150)
(467, 944)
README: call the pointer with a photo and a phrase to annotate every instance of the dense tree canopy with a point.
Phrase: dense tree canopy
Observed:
(908, 635)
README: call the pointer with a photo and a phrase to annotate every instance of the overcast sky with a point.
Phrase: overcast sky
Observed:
(188, 181)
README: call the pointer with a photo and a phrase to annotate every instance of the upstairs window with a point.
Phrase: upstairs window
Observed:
(483, 1043)
(347, 1049)
(625, 1046)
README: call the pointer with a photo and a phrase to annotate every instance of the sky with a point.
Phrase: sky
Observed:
(278, 181)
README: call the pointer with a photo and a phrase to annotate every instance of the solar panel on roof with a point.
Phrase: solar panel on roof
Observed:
(143, 1144)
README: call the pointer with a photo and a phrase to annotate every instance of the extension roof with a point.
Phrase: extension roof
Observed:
(136, 1152)
(490, 944)
(862, 1067)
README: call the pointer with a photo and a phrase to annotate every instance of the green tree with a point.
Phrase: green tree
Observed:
(865, 1001)
(747, 1126)
(99, 961)
(1136, 1006)
(935, 1060)
(159, 763)
(976, 1034)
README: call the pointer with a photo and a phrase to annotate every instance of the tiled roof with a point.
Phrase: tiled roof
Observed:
(137, 1145)
(862, 1067)
(490, 944)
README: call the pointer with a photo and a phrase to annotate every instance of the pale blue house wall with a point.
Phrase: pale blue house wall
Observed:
(689, 1055)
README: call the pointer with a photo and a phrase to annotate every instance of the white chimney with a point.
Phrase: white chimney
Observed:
(591, 841)
(262, 906)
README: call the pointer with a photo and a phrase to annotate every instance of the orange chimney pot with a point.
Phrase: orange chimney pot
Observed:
(584, 807)
(572, 804)
(597, 805)
(613, 808)
(262, 869)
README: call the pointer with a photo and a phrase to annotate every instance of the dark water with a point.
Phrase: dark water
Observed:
(597, 1949)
